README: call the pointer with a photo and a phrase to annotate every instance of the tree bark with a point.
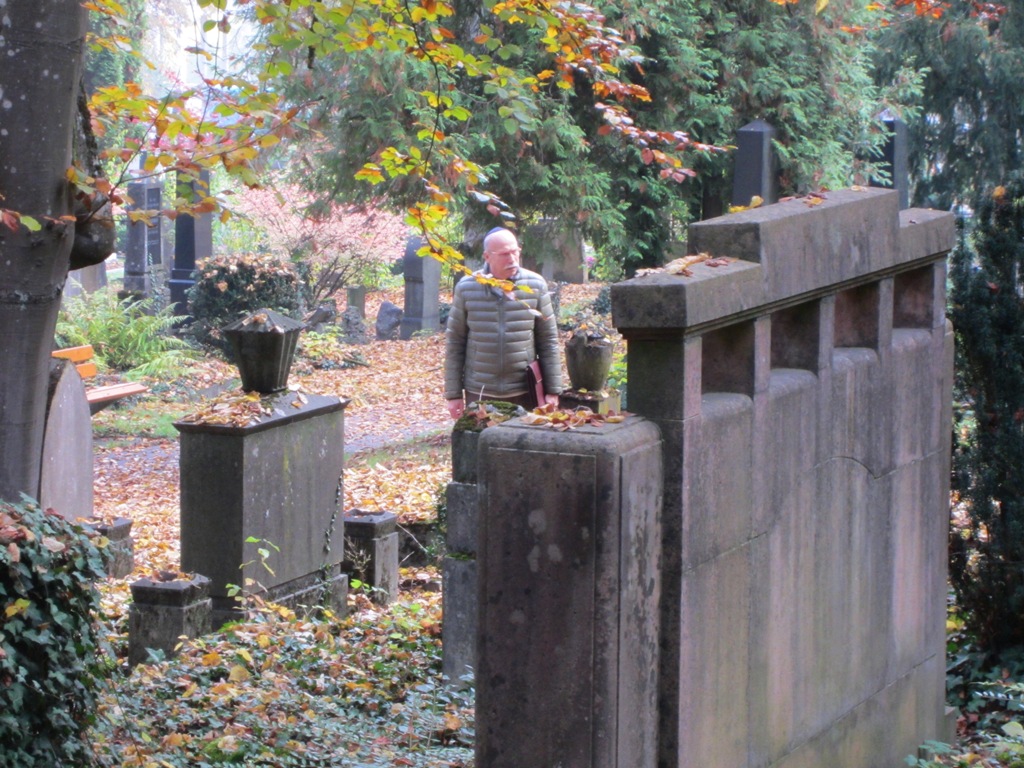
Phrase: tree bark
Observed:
(41, 49)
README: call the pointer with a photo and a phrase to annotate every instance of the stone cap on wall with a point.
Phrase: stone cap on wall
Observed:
(782, 253)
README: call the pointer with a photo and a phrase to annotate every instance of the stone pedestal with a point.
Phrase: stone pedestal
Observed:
(569, 549)
(272, 485)
(371, 552)
(164, 611)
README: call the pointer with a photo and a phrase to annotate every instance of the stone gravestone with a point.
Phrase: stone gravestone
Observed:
(554, 250)
(193, 242)
(422, 288)
(389, 321)
(66, 479)
(894, 159)
(353, 327)
(755, 171)
(145, 244)
(272, 482)
(355, 296)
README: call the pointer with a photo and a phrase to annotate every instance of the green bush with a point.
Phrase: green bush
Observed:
(48, 639)
(228, 288)
(125, 334)
(987, 310)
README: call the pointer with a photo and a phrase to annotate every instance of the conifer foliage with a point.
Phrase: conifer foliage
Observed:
(987, 310)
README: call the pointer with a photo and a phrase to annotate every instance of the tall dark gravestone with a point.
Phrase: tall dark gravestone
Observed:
(145, 241)
(422, 285)
(894, 159)
(193, 241)
(755, 173)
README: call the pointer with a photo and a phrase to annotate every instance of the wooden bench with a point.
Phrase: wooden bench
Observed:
(98, 397)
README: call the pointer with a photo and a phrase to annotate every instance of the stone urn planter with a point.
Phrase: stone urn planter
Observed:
(264, 344)
(588, 356)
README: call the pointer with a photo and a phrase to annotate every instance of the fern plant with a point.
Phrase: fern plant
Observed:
(127, 335)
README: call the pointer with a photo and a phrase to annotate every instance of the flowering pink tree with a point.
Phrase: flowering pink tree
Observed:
(340, 245)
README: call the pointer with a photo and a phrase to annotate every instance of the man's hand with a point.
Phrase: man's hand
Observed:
(456, 407)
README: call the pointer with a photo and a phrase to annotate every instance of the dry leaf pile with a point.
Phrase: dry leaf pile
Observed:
(681, 266)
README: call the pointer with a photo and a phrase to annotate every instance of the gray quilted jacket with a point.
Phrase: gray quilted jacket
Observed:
(491, 339)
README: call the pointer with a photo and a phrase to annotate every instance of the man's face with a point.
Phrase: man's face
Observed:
(502, 255)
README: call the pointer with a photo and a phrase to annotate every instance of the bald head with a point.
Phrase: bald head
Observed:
(501, 252)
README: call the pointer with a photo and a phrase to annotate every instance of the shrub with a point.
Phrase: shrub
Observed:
(987, 309)
(229, 287)
(126, 334)
(48, 641)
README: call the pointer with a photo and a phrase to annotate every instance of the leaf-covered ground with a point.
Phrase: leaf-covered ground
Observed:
(277, 690)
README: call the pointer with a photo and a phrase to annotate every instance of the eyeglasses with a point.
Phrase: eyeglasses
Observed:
(505, 253)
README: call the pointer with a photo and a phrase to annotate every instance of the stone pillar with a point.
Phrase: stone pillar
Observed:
(569, 552)
(422, 291)
(755, 168)
(193, 241)
(459, 569)
(276, 482)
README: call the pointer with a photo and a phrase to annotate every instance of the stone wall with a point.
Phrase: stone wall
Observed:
(803, 393)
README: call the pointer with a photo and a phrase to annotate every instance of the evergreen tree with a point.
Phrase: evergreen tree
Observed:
(970, 136)
(987, 310)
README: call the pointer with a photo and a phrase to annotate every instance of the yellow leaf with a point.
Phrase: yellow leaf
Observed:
(820, 6)
(238, 674)
(211, 659)
(18, 606)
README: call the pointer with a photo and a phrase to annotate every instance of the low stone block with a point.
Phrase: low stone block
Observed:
(162, 612)
(371, 551)
(120, 550)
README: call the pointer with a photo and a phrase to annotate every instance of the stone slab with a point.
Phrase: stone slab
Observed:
(66, 479)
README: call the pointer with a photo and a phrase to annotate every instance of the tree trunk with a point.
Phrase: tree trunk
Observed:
(41, 47)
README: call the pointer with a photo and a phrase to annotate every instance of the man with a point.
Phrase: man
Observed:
(494, 333)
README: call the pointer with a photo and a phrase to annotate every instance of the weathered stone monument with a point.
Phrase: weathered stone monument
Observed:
(270, 483)
(422, 286)
(803, 391)
(145, 241)
(193, 241)
(800, 381)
